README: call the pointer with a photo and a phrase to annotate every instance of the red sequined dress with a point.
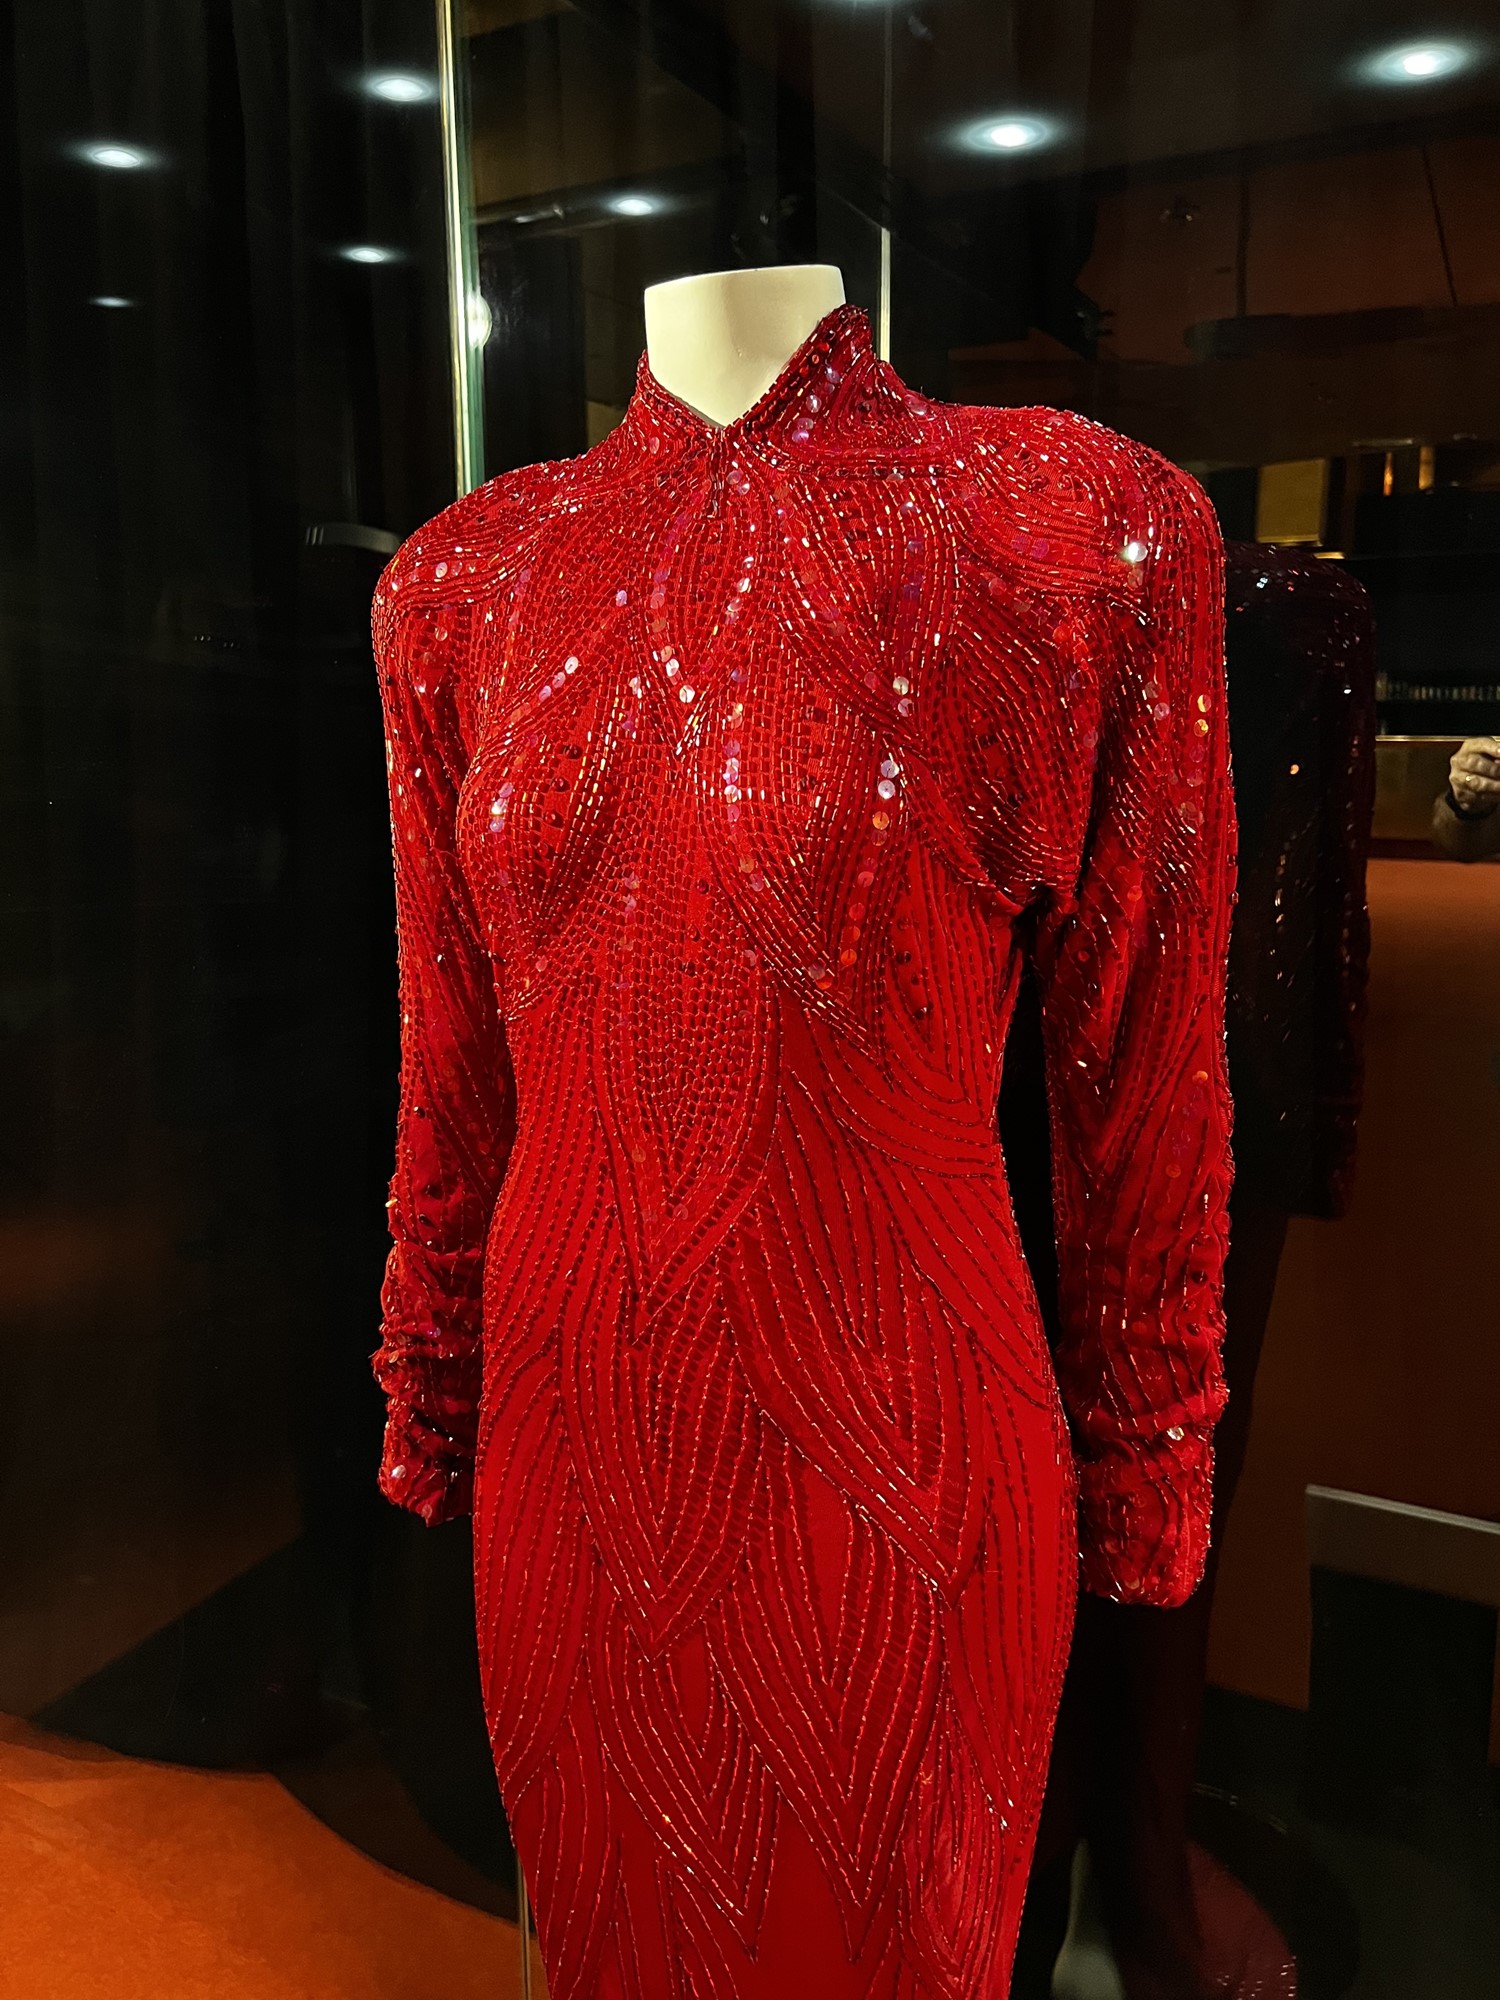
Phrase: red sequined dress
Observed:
(733, 770)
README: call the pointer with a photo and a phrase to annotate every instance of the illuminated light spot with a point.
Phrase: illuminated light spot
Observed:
(396, 86)
(481, 322)
(1011, 133)
(1417, 62)
(114, 156)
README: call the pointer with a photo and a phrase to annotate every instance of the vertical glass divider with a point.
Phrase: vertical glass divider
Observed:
(468, 385)
(883, 306)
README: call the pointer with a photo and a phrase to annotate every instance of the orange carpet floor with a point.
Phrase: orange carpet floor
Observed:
(124, 1880)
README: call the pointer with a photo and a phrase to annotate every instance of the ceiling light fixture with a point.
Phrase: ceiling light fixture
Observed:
(367, 253)
(399, 86)
(633, 204)
(1016, 132)
(112, 301)
(114, 156)
(1418, 62)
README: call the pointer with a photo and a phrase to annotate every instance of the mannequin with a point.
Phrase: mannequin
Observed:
(718, 340)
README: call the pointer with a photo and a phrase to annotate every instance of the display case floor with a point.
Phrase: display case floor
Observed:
(127, 1878)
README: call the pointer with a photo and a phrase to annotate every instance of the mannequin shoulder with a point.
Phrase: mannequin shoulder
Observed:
(474, 532)
(1101, 484)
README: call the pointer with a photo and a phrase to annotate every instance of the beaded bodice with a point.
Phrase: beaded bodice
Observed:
(733, 770)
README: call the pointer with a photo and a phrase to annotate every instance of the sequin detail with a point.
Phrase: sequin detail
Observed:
(733, 770)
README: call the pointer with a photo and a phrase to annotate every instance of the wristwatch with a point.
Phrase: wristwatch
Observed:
(1465, 812)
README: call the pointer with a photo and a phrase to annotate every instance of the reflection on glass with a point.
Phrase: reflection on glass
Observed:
(114, 157)
(1418, 62)
(240, 1748)
(401, 86)
(610, 148)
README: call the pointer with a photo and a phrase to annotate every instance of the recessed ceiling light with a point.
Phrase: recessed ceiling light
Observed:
(114, 156)
(111, 300)
(367, 253)
(1017, 132)
(1418, 62)
(400, 86)
(633, 204)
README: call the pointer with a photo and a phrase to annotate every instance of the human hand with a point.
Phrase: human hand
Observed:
(1474, 775)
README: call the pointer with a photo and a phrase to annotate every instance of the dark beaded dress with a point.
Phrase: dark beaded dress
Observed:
(1301, 666)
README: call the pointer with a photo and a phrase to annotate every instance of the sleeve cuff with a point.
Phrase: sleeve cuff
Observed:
(1145, 1520)
(430, 1476)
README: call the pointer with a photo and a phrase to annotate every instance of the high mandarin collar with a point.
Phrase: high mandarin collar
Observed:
(834, 363)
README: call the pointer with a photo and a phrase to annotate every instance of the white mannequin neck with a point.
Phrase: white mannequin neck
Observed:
(718, 341)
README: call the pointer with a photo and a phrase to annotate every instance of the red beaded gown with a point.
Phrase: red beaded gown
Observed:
(733, 770)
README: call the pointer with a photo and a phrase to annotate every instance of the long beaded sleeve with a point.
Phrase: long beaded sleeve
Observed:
(1131, 960)
(457, 1110)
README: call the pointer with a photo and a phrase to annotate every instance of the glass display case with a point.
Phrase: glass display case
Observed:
(284, 282)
